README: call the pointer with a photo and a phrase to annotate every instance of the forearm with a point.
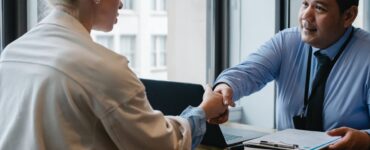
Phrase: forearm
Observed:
(245, 79)
(197, 121)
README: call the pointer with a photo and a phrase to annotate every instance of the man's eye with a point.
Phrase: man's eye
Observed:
(320, 9)
(304, 4)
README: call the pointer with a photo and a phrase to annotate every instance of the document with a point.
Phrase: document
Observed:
(294, 139)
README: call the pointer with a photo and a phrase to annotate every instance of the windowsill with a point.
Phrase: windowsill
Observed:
(159, 13)
(235, 113)
(127, 12)
(158, 69)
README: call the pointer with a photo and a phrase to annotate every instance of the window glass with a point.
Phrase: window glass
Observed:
(143, 38)
(128, 48)
(42, 9)
(159, 45)
(128, 4)
(105, 40)
(158, 51)
(248, 32)
(158, 5)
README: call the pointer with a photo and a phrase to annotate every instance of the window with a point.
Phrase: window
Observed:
(42, 9)
(128, 48)
(159, 5)
(248, 32)
(105, 40)
(144, 39)
(128, 4)
(133, 36)
(1, 27)
(158, 52)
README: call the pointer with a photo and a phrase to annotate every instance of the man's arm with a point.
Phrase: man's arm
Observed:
(259, 68)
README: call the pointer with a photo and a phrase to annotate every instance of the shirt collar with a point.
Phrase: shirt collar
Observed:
(332, 50)
(61, 18)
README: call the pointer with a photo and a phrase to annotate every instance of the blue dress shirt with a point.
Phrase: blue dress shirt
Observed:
(197, 120)
(284, 59)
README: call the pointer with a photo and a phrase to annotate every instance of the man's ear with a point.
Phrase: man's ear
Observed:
(349, 16)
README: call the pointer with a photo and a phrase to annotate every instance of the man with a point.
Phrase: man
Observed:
(321, 70)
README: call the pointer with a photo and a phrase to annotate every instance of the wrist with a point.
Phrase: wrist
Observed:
(204, 109)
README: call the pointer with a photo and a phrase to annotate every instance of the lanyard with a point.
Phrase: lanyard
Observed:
(332, 63)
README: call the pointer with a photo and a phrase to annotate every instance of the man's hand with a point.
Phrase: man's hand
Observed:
(212, 103)
(227, 95)
(351, 139)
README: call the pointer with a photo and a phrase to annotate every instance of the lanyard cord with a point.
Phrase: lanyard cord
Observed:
(332, 63)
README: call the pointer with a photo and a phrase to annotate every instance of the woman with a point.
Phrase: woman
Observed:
(61, 90)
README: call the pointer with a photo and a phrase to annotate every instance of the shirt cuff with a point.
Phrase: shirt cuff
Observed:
(197, 120)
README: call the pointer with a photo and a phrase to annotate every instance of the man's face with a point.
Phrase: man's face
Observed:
(321, 22)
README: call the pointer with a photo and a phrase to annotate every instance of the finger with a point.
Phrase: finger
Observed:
(227, 98)
(338, 131)
(341, 144)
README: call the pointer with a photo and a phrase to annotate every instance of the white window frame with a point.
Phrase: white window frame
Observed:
(111, 47)
(156, 5)
(131, 53)
(130, 3)
(156, 49)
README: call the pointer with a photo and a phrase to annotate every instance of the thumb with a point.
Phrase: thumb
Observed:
(227, 98)
(338, 131)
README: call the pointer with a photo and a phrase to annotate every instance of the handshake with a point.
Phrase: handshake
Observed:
(216, 103)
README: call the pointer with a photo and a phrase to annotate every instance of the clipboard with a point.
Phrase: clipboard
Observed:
(272, 145)
(293, 139)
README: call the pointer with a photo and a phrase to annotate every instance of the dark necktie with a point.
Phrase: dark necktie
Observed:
(315, 103)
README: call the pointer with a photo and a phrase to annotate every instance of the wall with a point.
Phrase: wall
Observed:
(186, 40)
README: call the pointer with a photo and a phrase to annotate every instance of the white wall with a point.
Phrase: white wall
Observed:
(186, 40)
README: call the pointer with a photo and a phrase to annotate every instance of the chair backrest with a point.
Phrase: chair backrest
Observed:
(171, 98)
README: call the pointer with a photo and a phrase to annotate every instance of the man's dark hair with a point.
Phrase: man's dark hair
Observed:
(346, 4)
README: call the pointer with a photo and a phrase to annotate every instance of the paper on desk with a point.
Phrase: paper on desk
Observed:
(308, 140)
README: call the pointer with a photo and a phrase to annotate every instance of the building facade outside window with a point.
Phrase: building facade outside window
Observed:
(158, 51)
(128, 4)
(185, 37)
(128, 48)
(159, 5)
(105, 40)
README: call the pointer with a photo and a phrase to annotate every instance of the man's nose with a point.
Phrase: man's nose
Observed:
(308, 14)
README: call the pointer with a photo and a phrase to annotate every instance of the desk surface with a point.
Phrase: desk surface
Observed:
(240, 126)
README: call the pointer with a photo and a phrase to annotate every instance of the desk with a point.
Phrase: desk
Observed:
(240, 126)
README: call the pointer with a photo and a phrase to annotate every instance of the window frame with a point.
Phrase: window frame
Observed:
(14, 20)
(156, 5)
(130, 54)
(156, 41)
(131, 4)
